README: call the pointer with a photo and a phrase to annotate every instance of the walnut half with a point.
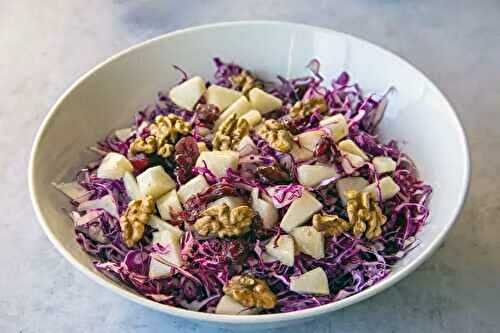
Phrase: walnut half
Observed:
(230, 133)
(364, 214)
(276, 135)
(305, 108)
(164, 133)
(221, 221)
(135, 217)
(330, 225)
(250, 292)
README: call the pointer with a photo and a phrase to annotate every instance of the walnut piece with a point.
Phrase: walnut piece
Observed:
(230, 133)
(364, 214)
(164, 133)
(276, 135)
(303, 109)
(244, 81)
(330, 225)
(221, 221)
(135, 217)
(250, 292)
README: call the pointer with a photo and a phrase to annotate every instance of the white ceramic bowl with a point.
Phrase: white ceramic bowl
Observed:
(107, 97)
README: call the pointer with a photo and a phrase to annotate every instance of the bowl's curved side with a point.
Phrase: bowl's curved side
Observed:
(128, 79)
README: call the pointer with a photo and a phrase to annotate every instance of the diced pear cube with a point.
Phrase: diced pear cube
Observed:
(312, 175)
(218, 162)
(348, 184)
(196, 185)
(160, 225)
(337, 125)
(313, 282)
(221, 97)
(283, 249)
(349, 146)
(351, 162)
(123, 133)
(384, 164)
(113, 166)
(158, 269)
(310, 139)
(167, 203)
(253, 117)
(155, 182)
(300, 154)
(232, 202)
(187, 94)
(106, 203)
(239, 107)
(263, 101)
(247, 146)
(131, 186)
(267, 212)
(300, 211)
(228, 306)
(309, 241)
(388, 189)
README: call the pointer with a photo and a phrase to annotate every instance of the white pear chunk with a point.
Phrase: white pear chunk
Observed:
(194, 186)
(229, 306)
(388, 188)
(253, 117)
(300, 154)
(155, 182)
(283, 249)
(337, 125)
(263, 101)
(312, 175)
(131, 186)
(106, 203)
(349, 146)
(221, 97)
(157, 268)
(309, 241)
(313, 282)
(247, 146)
(232, 202)
(310, 139)
(122, 134)
(350, 183)
(384, 164)
(72, 190)
(187, 94)
(300, 211)
(218, 162)
(239, 107)
(168, 202)
(267, 212)
(113, 166)
(159, 224)
(351, 162)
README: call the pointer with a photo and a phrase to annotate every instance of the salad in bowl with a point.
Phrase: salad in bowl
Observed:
(235, 195)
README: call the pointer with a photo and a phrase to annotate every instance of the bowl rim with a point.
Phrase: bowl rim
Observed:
(387, 282)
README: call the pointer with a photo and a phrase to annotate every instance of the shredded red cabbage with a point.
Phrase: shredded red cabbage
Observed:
(351, 264)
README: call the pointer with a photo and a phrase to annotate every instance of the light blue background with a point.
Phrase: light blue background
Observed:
(46, 45)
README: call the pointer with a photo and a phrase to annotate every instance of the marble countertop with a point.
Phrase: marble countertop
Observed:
(46, 45)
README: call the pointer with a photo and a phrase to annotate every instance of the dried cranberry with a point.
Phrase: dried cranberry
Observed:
(206, 114)
(139, 164)
(186, 154)
(273, 174)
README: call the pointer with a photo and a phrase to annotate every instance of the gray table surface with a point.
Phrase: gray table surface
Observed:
(46, 45)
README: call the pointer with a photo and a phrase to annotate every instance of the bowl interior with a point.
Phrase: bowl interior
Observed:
(418, 116)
